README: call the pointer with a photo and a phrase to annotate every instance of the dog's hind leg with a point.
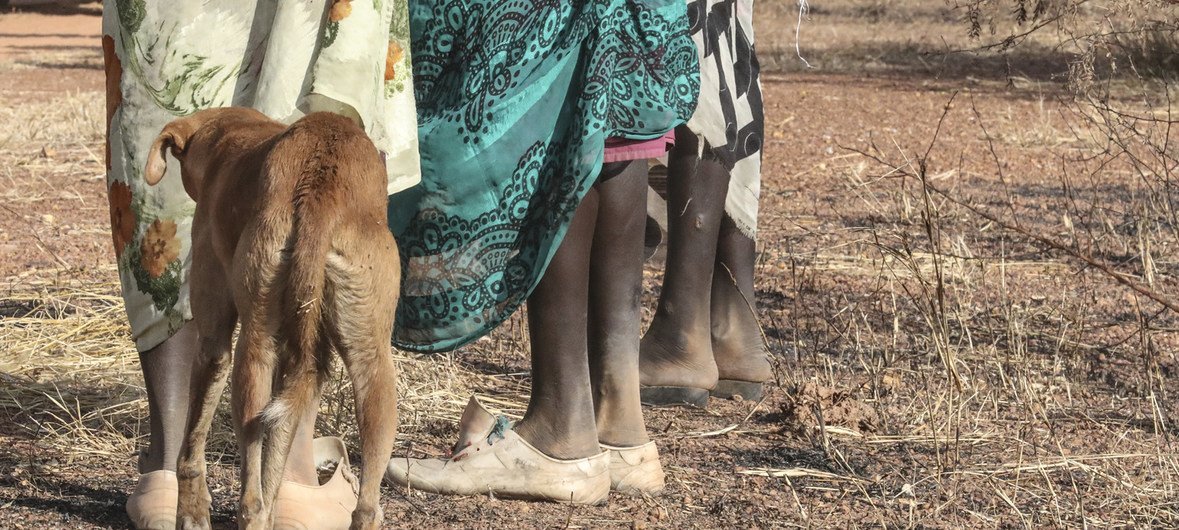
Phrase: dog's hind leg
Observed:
(281, 419)
(215, 316)
(364, 306)
(253, 376)
(374, 380)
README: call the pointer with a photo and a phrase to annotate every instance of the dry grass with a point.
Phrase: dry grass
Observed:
(935, 367)
(71, 377)
(971, 39)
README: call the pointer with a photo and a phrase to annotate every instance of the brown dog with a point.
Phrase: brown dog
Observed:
(290, 234)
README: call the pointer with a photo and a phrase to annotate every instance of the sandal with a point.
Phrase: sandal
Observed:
(327, 506)
(152, 506)
(673, 396)
(685, 396)
(635, 470)
(490, 458)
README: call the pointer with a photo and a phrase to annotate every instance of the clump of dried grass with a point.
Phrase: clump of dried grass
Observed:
(69, 370)
(72, 119)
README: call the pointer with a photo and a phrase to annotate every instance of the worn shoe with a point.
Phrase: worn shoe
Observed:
(328, 506)
(635, 470)
(491, 459)
(152, 506)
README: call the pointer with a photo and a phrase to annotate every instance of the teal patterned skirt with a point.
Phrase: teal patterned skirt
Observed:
(515, 101)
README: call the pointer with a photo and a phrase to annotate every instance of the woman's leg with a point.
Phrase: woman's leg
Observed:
(677, 348)
(166, 376)
(737, 344)
(615, 303)
(560, 417)
(166, 373)
(583, 321)
(703, 334)
(575, 350)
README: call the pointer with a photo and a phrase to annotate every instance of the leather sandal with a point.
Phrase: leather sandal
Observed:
(327, 506)
(491, 459)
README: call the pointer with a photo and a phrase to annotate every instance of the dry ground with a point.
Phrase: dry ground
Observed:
(945, 355)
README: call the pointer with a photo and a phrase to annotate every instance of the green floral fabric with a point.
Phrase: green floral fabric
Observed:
(515, 102)
(165, 60)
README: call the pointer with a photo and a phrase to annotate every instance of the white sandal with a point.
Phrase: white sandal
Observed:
(491, 459)
(329, 506)
(152, 506)
(635, 470)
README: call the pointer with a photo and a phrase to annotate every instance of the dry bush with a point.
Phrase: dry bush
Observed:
(1002, 291)
(1014, 333)
(1122, 76)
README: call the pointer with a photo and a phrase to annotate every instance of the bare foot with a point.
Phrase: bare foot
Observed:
(560, 441)
(737, 344)
(675, 359)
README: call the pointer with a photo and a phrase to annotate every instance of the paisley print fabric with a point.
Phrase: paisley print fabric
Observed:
(170, 59)
(729, 117)
(515, 100)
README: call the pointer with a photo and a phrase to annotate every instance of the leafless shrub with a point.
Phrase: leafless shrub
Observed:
(1122, 78)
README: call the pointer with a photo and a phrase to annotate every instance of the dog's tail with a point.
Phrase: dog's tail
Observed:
(306, 364)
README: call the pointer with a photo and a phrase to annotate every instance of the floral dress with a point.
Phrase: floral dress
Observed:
(165, 60)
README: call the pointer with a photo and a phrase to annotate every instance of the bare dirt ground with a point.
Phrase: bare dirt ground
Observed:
(949, 351)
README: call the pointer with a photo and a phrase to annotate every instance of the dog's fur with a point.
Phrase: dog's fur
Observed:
(290, 234)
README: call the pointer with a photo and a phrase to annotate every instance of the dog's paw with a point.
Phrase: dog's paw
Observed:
(366, 519)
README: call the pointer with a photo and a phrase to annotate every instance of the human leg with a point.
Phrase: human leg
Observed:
(615, 291)
(152, 505)
(676, 363)
(166, 379)
(560, 416)
(552, 453)
(615, 309)
(737, 344)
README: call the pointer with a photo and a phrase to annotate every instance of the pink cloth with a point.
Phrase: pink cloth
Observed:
(624, 150)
